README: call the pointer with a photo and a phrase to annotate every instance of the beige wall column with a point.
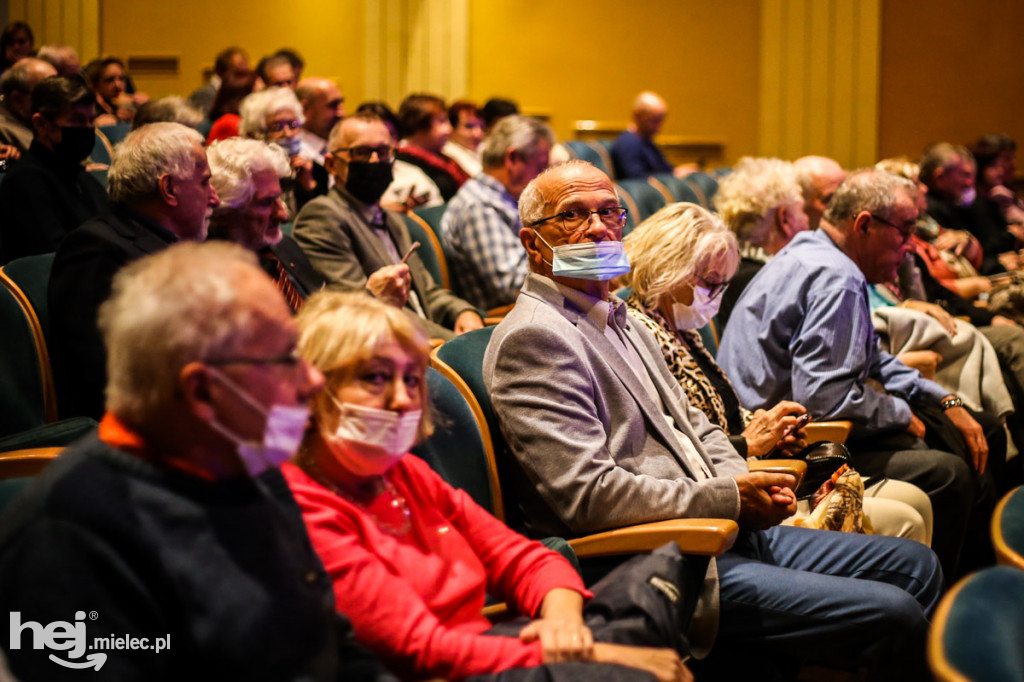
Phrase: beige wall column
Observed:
(416, 46)
(71, 22)
(819, 68)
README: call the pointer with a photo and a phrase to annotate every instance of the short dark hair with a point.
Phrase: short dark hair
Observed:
(293, 57)
(417, 113)
(457, 108)
(7, 37)
(497, 108)
(223, 61)
(270, 62)
(57, 94)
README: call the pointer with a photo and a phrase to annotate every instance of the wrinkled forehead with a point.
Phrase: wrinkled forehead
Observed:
(577, 186)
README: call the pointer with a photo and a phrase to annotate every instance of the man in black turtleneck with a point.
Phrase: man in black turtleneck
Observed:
(48, 193)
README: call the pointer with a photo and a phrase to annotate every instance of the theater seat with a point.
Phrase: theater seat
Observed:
(1008, 530)
(646, 198)
(431, 252)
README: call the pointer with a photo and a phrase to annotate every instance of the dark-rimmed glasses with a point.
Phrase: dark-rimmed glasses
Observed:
(906, 231)
(385, 153)
(575, 219)
(715, 289)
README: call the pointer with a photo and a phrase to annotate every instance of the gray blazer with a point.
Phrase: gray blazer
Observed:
(595, 448)
(343, 247)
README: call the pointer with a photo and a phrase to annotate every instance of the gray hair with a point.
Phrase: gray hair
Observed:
(234, 161)
(166, 310)
(147, 154)
(18, 78)
(940, 156)
(808, 168)
(173, 109)
(748, 197)
(531, 201)
(259, 106)
(520, 133)
(57, 55)
(867, 189)
(679, 241)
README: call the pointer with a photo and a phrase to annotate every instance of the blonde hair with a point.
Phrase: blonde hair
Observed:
(338, 330)
(673, 245)
(901, 166)
(747, 197)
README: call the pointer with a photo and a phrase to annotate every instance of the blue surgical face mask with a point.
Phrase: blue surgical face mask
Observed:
(598, 261)
(291, 145)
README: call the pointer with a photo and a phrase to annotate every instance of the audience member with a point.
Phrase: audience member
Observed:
(634, 153)
(173, 109)
(995, 176)
(463, 146)
(323, 106)
(275, 115)
(424, 128)
(948, 171)
(228, 102)
(496, 109)
(277, 72)
(357, 245)
(410, 187)
(160, 192)
(172, 522)
(247, 176)
(819, 177)
(16, 42)
(605, 436)
(109, 81)
(761, 202)
(48, 193)
(683, 258)
(16, 86)
(809, 311)
(480, 228)
(295, 59)
(63, 58)
(345, 476)
(231, 63)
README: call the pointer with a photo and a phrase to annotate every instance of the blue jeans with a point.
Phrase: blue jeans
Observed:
(837, 599)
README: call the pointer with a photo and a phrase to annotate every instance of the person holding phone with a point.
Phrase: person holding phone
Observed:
(683, 257)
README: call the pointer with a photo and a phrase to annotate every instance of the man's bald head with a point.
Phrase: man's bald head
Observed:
(819, 177)
(322, 104)
(18, 82)
(649, 111)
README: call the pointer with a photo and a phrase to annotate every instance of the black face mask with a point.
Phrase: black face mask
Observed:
(75, 143)
(367, 181)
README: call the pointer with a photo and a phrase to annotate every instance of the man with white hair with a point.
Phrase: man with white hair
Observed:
(247, 177)
(16, 86)
(171, 525)
(161, 194)
(323, 106)
(480, 228)
(62, 57)
(634, 153)
(819, 178)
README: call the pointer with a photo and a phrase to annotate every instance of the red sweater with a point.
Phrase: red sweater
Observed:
(417, 600)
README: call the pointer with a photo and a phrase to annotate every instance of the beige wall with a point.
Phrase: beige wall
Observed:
(952, 70)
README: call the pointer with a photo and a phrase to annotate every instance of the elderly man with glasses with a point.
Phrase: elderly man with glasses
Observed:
(355, 244)
(808, 310)
(605, 438)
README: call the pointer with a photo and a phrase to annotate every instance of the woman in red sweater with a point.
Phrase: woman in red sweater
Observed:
(411, 557)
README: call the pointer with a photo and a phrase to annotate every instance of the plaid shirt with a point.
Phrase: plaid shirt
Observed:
(480, 231)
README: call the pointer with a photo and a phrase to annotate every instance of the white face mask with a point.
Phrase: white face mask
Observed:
(291, 145)
(369, 441)
(968, 196)
(698, 313)
(598, 261)
(282, 435)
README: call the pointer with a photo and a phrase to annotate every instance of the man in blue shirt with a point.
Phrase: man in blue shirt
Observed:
(634, 153)
(808, 312)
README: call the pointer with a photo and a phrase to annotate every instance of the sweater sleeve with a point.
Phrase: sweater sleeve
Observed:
(387, 614)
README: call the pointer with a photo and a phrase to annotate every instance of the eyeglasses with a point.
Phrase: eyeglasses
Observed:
(906, 231)
(281, 126)
(385, 153)
(292, 359)
(576, 219)
(715, 289)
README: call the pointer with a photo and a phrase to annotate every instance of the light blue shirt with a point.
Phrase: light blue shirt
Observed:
(802, 331)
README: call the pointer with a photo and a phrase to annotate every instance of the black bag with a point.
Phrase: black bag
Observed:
(823, 459)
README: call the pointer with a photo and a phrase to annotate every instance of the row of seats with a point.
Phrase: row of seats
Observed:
(978, 629)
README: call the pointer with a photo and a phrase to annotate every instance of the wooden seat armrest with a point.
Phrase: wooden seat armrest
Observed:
(837, 431)
(708, 537)
(27, 462)
(796, 467)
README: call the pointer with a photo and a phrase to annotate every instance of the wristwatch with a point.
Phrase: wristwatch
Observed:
(950, 403)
